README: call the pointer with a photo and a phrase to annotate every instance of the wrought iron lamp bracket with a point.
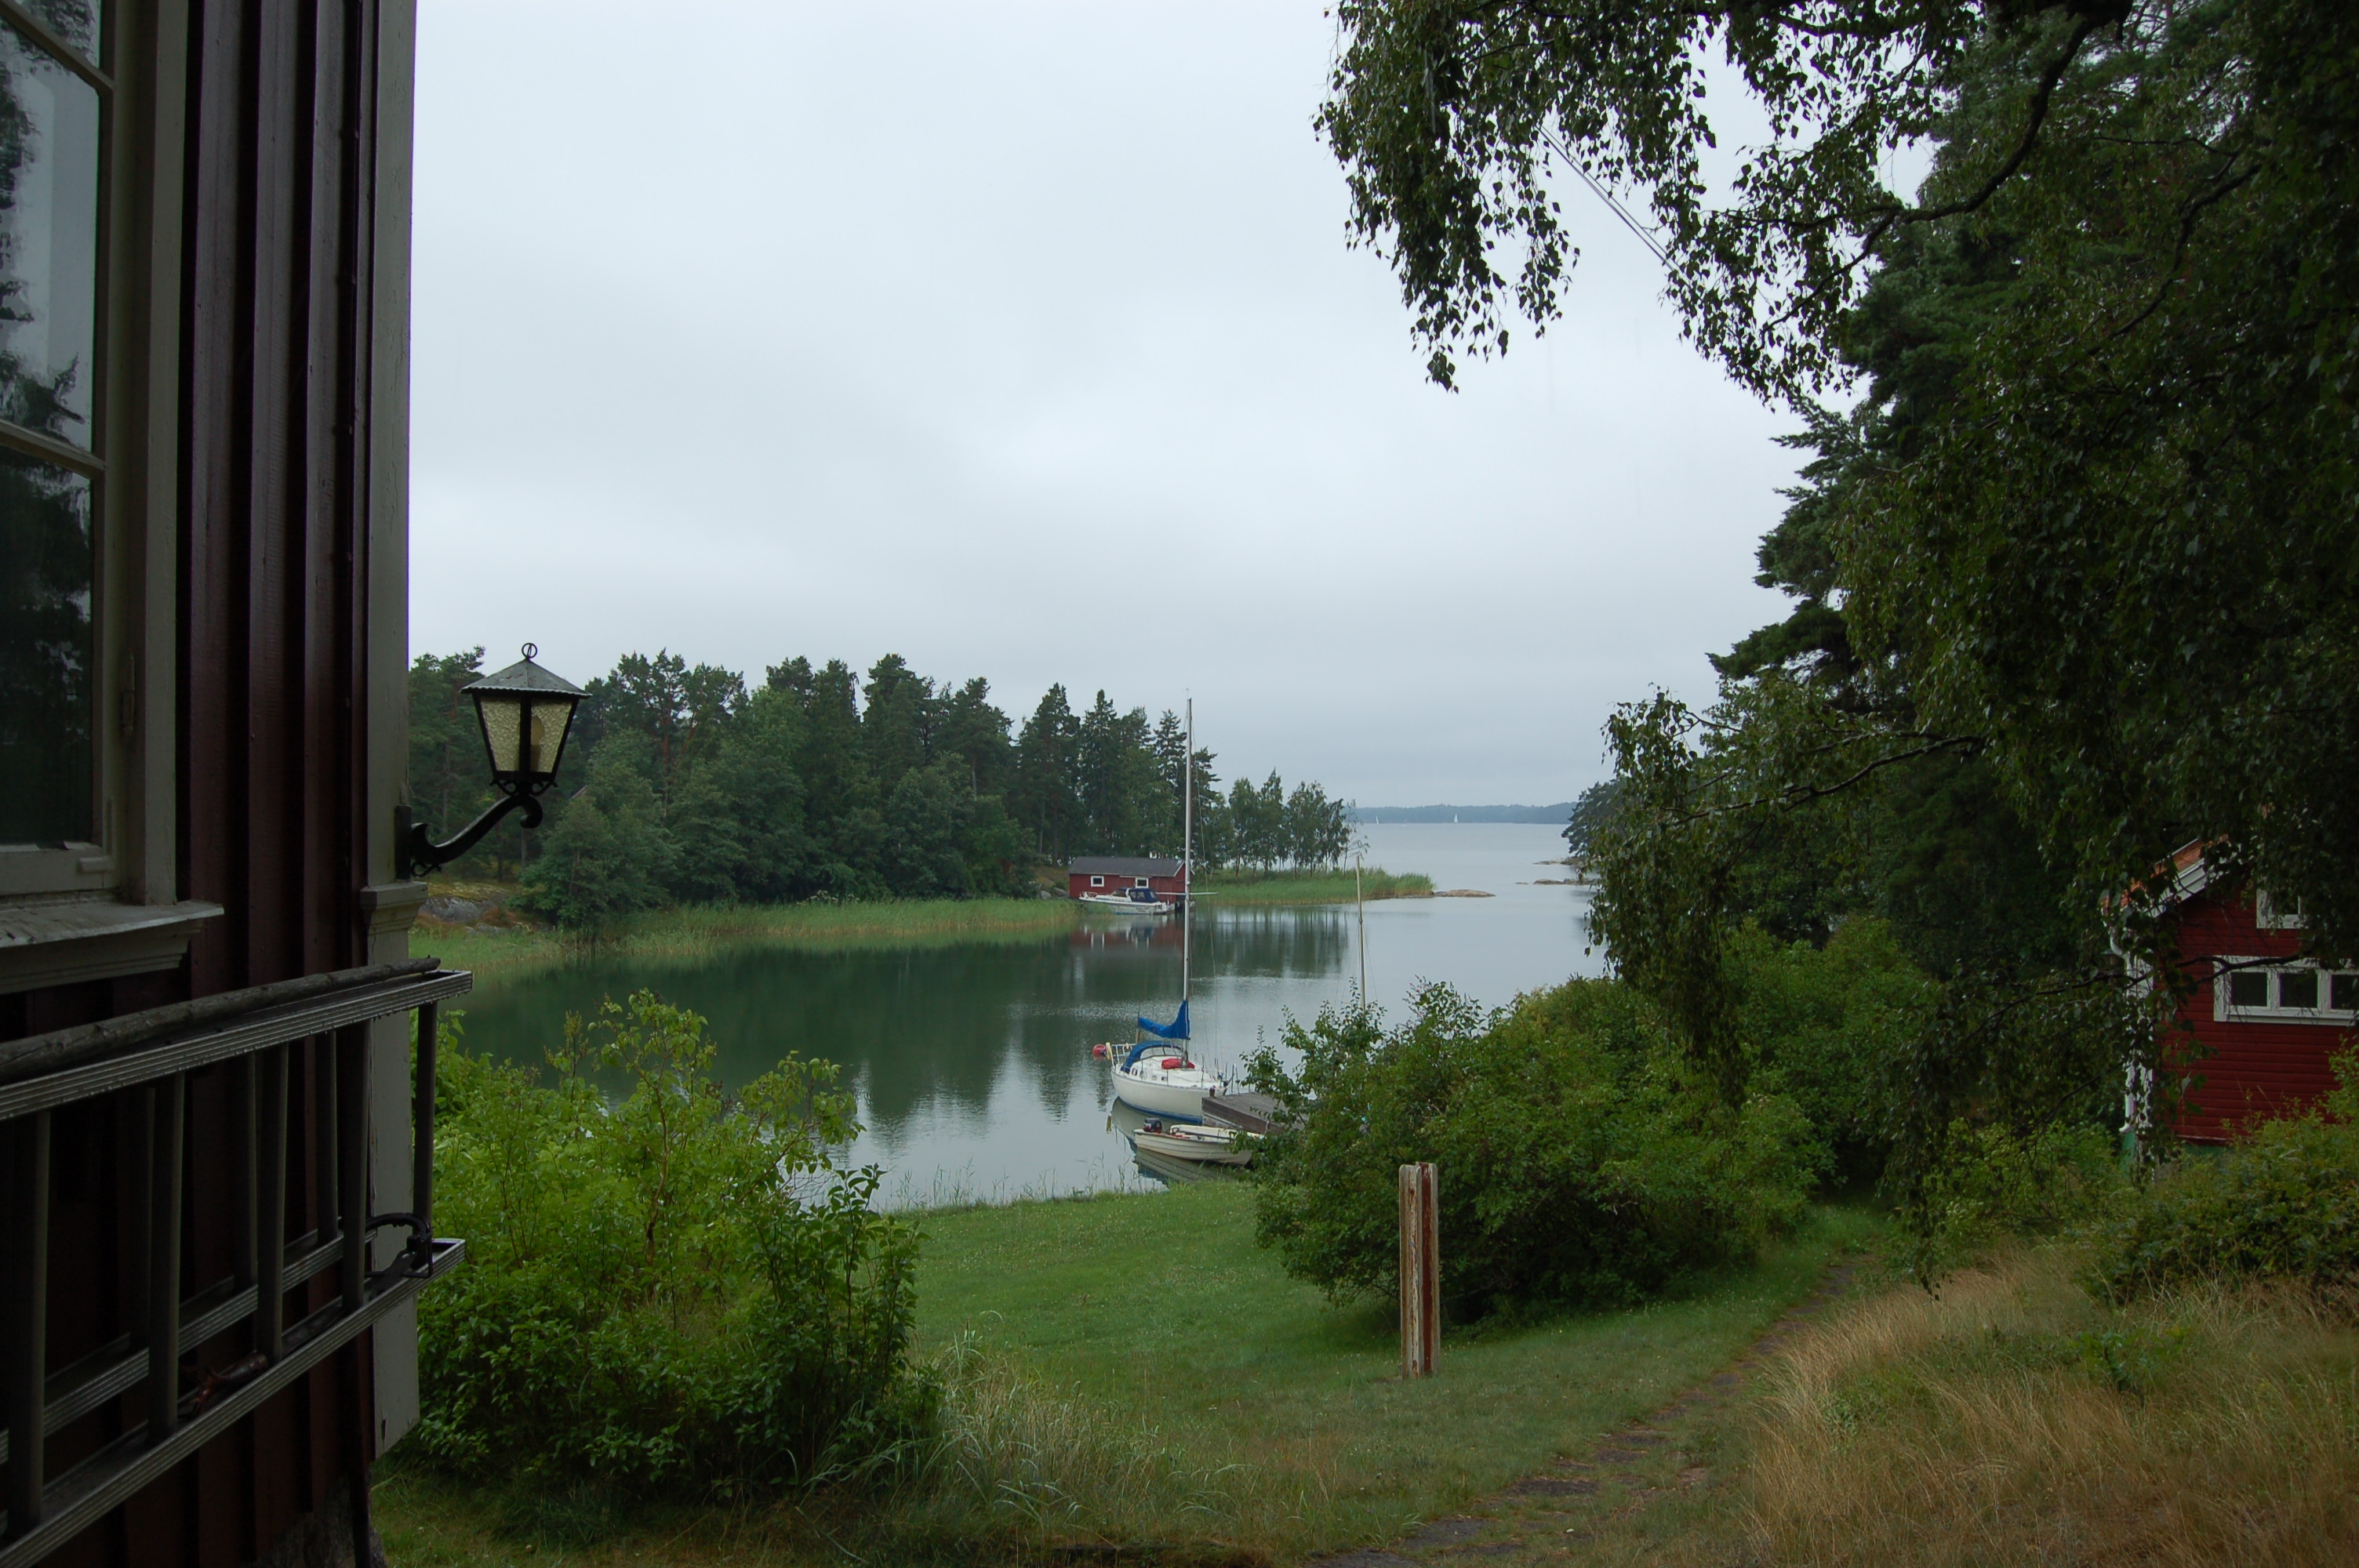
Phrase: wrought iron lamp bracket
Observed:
(420, 854)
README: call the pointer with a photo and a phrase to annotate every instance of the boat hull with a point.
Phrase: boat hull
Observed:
(1200, 1149)
(1125, 905)
(1166, 1091)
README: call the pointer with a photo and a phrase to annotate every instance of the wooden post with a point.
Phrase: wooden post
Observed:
(1420, 1269)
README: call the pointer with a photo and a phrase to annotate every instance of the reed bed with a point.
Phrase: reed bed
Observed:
(704, 931)
(1244, 886)
(2011, 1420)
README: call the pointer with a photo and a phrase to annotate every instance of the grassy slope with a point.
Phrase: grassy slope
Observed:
(1162, 1308)
(1309, 886)
(691, 932)
(1158, 1318)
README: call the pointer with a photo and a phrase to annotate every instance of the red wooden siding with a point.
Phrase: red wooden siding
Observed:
(2246, 1068)
(1078, 884)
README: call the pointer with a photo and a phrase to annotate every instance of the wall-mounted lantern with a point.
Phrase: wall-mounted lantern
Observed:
(524, 713)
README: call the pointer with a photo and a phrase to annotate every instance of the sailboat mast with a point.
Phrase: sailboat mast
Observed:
(1359, 898)
(1187, 850)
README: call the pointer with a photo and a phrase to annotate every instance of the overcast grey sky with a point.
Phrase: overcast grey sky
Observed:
(1022, 341)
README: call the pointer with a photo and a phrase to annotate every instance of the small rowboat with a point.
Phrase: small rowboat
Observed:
(1203, 1145)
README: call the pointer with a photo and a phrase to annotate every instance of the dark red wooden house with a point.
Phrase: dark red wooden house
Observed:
(1100, 875)
(2264, 1022)
(206, 1098)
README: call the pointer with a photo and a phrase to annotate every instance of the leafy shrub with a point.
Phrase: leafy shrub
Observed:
(675, 1289)
(1822, 1024)
(1991, 1184)
(1582, 1158)
(2283, 1203)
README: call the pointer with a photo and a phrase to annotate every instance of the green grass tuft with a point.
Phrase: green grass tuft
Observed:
(702, 931)
(1246, 886)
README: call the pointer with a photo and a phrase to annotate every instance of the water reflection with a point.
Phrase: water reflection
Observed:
(971, 1062)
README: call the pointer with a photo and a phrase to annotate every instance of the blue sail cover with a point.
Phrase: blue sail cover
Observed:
(1175, 1030)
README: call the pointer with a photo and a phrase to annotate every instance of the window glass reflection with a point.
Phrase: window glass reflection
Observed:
(49, 236)
(73, 21)
(44, 652)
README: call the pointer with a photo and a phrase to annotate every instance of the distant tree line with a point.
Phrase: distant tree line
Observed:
(681, 783)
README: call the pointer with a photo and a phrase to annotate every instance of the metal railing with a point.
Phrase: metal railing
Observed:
(147, 1058)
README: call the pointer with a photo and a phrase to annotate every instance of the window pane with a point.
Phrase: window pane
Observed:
(2248, 987)
(44, 652)
(49, 241)
(75, 21)
(2298, 988)
(2344, 994)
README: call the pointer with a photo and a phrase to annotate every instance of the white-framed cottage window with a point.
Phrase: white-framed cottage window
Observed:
(53, 113)
(1097, 881)
(2258, 991)
(1139, 882)
(91, 158)
(2271, 916)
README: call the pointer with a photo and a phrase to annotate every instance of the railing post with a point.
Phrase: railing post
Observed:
(23, 1315)
(246, 1262)
(1420, 1269)
(167, 1101)
(270, 1201)
(323, 1136)
(352, 1161)
(421, 1119)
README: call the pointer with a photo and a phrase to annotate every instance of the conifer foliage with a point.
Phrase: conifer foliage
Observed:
(683, 783)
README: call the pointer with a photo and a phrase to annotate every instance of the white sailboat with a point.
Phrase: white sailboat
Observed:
(1157, 1075)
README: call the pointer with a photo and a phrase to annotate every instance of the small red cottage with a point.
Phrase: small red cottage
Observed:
(1116, 874)
(2267, 1018)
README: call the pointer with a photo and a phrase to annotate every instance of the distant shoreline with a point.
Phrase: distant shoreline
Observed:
(1382, 816)
(502, 948)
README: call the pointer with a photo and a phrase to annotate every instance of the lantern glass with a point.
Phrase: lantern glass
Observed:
(552, 722)
(525, 713)
(502, 714)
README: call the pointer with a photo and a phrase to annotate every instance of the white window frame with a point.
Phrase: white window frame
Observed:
(1097, 881)
(111, 905)
(1140, 881)
(2230, 967)
(2270, 918)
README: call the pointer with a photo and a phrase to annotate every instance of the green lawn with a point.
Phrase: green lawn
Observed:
(1138, 1373)
(1161, 1309)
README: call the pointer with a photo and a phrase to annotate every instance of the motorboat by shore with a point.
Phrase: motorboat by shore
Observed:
(1202, 1144)
(1133, 901)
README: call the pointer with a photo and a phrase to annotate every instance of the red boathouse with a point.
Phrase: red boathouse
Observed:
(1117, 874)
(2265, 1020)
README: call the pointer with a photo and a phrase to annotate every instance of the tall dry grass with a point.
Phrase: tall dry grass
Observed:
(2011, 1420)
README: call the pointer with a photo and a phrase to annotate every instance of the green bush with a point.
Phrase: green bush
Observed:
(1823, 1025)
(1991, 1184)
(675, 1290)
(2283, 1203)
(1582, 1158)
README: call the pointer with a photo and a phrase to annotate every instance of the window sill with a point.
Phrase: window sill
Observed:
(62, 943)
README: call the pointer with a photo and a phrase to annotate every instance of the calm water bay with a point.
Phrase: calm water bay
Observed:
(970, 1060)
